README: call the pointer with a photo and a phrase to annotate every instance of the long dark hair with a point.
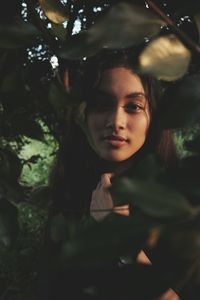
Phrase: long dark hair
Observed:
(78, 168)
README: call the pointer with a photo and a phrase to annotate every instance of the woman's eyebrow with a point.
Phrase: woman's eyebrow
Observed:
(131, 95)
(136, 94)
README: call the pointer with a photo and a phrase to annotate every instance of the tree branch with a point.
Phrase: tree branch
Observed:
(188, 42)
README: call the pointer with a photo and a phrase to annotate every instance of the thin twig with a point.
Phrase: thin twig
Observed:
(114, 209)
(182, 35)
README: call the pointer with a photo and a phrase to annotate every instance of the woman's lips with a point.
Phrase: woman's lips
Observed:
(115, 140)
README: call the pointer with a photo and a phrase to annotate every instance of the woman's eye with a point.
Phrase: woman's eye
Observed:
(133, 107)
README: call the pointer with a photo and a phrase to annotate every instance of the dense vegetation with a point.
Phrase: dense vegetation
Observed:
(34, 106)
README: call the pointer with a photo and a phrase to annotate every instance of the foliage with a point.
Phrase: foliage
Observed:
(31, 90)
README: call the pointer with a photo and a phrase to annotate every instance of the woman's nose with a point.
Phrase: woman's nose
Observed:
(116, 119)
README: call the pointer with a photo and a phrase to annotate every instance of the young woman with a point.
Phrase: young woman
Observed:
(119, 130)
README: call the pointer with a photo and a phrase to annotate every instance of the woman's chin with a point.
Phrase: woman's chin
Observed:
(114, 157)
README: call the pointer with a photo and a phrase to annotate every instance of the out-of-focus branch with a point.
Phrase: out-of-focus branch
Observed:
(183, 36)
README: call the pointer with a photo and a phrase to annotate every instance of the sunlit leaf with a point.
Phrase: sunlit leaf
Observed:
(166, 58)
(180, 105)
(55, 11)
(153, 198)
(17, 35)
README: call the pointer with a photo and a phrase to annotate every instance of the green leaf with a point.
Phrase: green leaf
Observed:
(41, 196)
(122, 26)
(18, 34)
(187, 178)
(8, 222)
(11, 80)
(102, 243)
(79, 46)
(165, 58)
(62, 228)
(59, 31)
(11, 191)
(185, 6)
(184, 239)
(125, 25)
(180, 105)
(153, 198)
(55, 10)
(193, 145)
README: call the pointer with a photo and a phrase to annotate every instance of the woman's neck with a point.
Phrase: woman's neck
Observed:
(115, 167)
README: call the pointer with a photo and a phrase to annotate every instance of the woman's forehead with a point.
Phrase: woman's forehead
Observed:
(120, 81)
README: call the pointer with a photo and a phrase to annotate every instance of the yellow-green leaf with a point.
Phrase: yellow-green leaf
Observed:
(55, 11)
(166, 58)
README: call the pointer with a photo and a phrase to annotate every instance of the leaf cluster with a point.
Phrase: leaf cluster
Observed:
(165, 207)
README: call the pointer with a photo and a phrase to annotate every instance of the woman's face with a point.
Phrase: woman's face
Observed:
(119, 122)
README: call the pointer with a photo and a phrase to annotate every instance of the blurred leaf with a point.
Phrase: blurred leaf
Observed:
(128, 25)
(104, 242)
(180, 105)
(17, 35)
(59, 31)
(10, 165)
(166, 58)
(153, 198)
(58, 229)
(29, 127)
(62, 228)
(11, 191)
(184, 6)
(41, 196)
(37, 71)
(3, 58)
(185, 239)
(149, 167)
(79, 46)
(11, 80)
(8, 222)
(55, 11)
(187, 178)
(193, 145)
